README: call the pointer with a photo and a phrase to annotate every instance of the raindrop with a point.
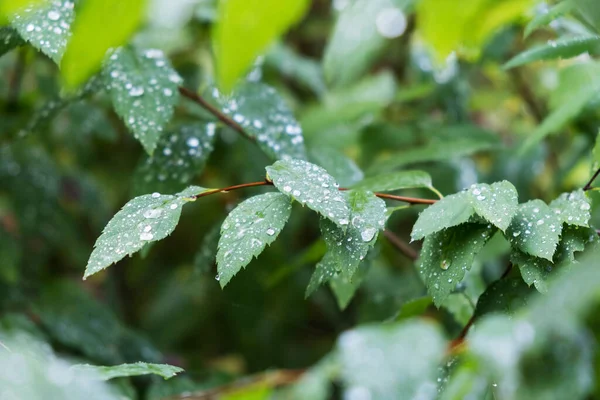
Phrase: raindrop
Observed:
(155, 195)
(391, 23)
(585, 207)
(173, 206)
(193, 142)
(270, 231)
(368, 234)
(147, 228)
(152, 213)
(516, 234)
(53, 15)
(146, 236)
(218, 277)
(445, 264)
(136, 91)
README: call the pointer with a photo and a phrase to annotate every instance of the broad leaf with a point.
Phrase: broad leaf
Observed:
(447, 255)
(248, 229)
(145, 219)
(342, 168)
(245, 29)
(125, 370)
(265, 117)
(9, 39)
(396, 180)
(10, 7)
(588, 9)
(100, 25)
(565, 47)
(535, 229)
(547, 16)
(496, 203)
(573, 208)
(143, 89)
(46, 26)
(179, 157)
(450, 211)
(534, 270)
(325, 270)
(312, 186)
(402, 362)
(292, 65)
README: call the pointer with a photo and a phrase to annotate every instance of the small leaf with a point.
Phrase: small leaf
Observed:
(325, 270)
(573, 208)
(535, 229)
(312, 186)
(342, 168)
(344, 288)
(9, 39)
(143, 89)
(574, 239)
(547, 16)
(447, 255)
(248, 229)
(265, 117)
(145, 219)
(450, 211)
(565, 47)
(179, 157)
(125, 370)
(245, 29)
(414, 308)
(402, 362)
(534, 270)
(46, 26)
(395, 181)
(496, 203)
(100, 25)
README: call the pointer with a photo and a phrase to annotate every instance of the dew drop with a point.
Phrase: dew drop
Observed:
(152, 213)
(155, 195)
(136, 91)
(368, 234)
(585, 207)
(53, 15)
(146, 236)
(445, 264)
(270, 231)
(516, 234)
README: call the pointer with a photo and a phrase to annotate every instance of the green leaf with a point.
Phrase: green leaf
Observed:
(342, 168)
(265, 117)
(344, 288)
(414, 308)
(535, 229)
(450, 211)
(395, 181)
(9, 8)
(505, 296)
(125, 370)
(179, 157)
(459, 306)
(588, 9)
(534, 270)
(144, 90)
(46, 26)
(447, 255)
(565, 47)
(549, 15)
(347, 55)
(245, 29)
(596, 151)
(312, 186)
(248, 229)
(496, 203)
(403, 360)
(145, 219)
(206, 256)
(292, 65)
(9, 39)
(100, 25)
(574, 239)
(573, 208)
(325, 270)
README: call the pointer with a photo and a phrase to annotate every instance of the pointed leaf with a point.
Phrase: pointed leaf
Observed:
(46, 26)
(565, 47)
(450, 211)
(143, 89)
(248, 229)
(180, 156)
(145, 219)
(325, 270)
(342, 168)
(312, 186)
(9, 39)
(395, 181)
(534, 270)
(496, 203)
(573, 208)
(344, 288)
(446, 256)
(265, 116)
(535, 229)
(125, 370)
(547, 16)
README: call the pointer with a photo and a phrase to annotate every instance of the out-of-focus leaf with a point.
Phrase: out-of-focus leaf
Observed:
(143, 89)
(9, 7)
(549, 15)
(245, 29)
(265, 116)
(248, 229)
(450, 211)
(414, 308)
(342, 168)
(395, 181)
(179, 157)
(316, 383)
(305, 71)
(464, 383)
(588, 9)
(565, 47)
(459, 306)
(125, 370)
(100, 25)
(144, 219)
(307, 183)
(46, 26)
(9, 39)
(206, 257)
(504, 296)
(403, 360)
(447, 255)
(573, 208)
(596, 152)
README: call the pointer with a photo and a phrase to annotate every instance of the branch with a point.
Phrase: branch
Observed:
(401, 245)
(588, 186)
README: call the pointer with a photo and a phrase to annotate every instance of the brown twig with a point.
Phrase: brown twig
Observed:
(588, 185)
(401, 245)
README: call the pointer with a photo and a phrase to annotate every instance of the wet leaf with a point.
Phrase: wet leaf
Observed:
(125, 370)
(565, 47)
(143, 89)
(342, 168)
(549, 15)
(573, 208)
(496, 203)
(450, 211)
(248, 229)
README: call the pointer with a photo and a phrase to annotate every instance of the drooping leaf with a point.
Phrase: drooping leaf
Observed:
(125, 370)
(348, 55)
(144, 219)
(505, 296)
(342, 168)
(396, 180)
(535, 229)
(403, 360)
(265, 116)
(46, 26)
(534, 270)
(9, 39)
(143, 89)
(179, 157)
(344, 288)
(573, 208)
(325, 270)
(496, 203)
(248, 229)
(245, 29)
(450, 211)
(447, 255)
(549, 15)
(100, 25)
(312, 186)
(206, 256)
(574, 239)
(565, 47)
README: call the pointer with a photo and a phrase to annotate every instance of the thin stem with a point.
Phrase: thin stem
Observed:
(401, 245)
(196, 98)
(588, 186)
(411, 200)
